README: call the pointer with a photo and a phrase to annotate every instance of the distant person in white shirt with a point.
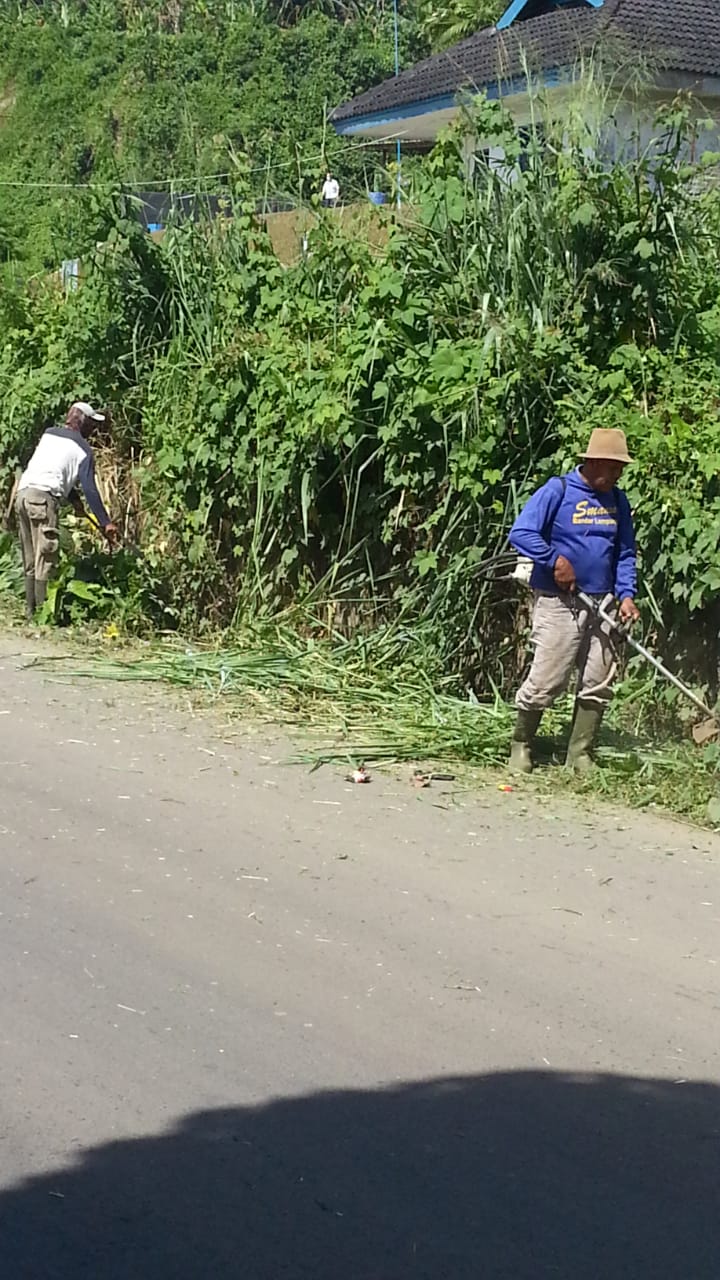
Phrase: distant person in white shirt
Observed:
(62, 460)
(330, 191)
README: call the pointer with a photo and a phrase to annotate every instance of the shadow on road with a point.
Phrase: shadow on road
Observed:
(519, 1175)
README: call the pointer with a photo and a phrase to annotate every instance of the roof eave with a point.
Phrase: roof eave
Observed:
(494, 92)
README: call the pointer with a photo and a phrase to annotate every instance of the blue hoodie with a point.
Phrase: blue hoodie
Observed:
(594, 531)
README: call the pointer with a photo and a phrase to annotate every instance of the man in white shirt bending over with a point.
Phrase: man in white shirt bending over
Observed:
(330, 191)
(62, 460)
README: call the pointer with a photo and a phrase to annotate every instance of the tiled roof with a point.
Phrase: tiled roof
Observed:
(683, 35)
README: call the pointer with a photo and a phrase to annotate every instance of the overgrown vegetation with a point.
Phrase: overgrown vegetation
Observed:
(356, 432)
(10, 567)
(445, 22)
(101, 91)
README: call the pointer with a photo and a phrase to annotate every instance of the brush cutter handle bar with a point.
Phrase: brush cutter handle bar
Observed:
(93, 520)
(600, 612)
(594, 607)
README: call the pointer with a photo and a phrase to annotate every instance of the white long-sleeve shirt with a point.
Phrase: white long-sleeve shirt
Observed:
(62, 460)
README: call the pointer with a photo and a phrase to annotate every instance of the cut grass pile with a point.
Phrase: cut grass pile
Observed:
(366, 699)
(377, 699)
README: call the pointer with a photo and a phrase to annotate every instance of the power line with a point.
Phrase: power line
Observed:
(154, 183)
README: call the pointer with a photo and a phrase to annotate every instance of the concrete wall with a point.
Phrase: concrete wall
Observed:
(628, 124)
(639, 118)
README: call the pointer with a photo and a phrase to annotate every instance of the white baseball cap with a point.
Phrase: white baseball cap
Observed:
(87, 411)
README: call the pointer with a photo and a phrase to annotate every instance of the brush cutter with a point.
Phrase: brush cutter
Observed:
(95, 524)
(701, 732)
(92, 520)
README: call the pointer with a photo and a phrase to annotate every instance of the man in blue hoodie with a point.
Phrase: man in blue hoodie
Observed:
(578, 531)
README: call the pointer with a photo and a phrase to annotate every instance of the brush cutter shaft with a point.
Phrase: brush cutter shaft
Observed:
(600, 612)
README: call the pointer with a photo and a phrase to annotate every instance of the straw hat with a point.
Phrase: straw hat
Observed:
(609, 444)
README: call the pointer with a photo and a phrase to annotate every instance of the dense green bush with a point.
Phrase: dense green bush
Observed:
(96, 91)
(362, 427)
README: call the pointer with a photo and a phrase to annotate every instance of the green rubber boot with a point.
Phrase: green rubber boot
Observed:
(526, 726)
(585, 729)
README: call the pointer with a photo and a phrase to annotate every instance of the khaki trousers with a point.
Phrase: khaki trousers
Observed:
(567, 638)
(37, 517)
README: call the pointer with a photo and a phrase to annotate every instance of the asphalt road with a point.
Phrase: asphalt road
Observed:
(261, 1023)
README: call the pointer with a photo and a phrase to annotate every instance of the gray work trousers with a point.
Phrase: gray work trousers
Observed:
(567, 638)
(37, 519)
